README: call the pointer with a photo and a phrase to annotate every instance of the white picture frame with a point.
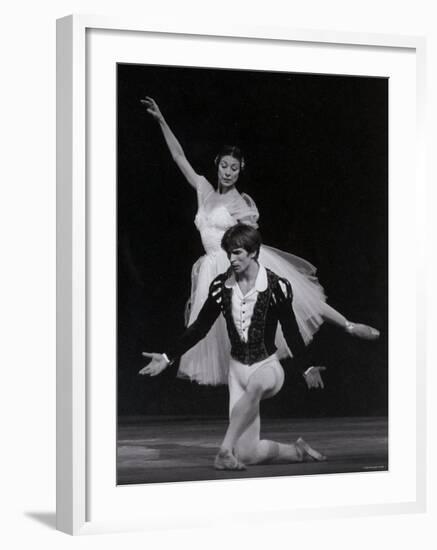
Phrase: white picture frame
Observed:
(75, 346)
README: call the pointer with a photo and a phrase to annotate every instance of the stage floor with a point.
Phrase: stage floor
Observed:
(157, 450)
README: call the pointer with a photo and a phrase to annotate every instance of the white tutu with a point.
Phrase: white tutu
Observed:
(208, 361)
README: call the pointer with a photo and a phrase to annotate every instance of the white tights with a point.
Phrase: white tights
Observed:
(248, 385)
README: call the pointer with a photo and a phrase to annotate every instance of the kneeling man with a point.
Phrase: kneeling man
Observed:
(252, 300)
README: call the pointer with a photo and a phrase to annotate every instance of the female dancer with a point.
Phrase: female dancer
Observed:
(207, 362)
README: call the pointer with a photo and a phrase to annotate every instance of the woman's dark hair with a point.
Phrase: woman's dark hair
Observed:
(232, 151)
(242, 236)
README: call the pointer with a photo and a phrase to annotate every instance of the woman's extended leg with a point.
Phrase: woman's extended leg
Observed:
(359, 330)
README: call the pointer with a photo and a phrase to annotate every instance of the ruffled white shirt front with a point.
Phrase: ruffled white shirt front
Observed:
(243, 304)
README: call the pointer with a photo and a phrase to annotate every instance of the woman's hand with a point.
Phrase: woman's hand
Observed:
(173, 144)
(152, 108)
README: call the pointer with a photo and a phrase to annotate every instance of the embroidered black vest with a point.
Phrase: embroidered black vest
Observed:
(262, 329)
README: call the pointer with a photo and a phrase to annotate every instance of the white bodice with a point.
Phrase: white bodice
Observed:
(212, 224)
(217, 213)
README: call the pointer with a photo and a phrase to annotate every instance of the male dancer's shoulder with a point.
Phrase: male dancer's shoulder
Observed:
(216, 286)
(219, 280)
(281, 287)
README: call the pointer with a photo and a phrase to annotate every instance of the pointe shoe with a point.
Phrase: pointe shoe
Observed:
(225, 460)
(308, 453)
(362, 331)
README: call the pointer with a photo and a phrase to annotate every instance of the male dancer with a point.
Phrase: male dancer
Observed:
(253, 300)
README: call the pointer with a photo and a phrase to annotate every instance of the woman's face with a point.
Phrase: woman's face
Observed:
(228, 171)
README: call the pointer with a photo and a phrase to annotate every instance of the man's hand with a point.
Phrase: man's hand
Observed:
(156, 365)
(313, 378)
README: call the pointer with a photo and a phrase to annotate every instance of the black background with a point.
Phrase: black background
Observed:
(316, 150)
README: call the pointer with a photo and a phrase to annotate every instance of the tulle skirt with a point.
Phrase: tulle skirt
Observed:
(208, 361)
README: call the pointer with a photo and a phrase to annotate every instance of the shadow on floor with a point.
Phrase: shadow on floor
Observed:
(46, 518)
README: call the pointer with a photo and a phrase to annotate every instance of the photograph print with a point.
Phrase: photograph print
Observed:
(252, 274)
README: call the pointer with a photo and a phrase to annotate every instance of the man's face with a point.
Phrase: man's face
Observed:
(240, 259)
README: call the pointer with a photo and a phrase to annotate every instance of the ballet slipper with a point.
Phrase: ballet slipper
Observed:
(308, 453)
(225, 460)
(362, 331)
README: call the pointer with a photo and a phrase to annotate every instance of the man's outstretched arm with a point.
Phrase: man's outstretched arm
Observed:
(193, 334)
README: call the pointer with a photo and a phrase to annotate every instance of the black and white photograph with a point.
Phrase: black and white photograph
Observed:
(252, 274)
(218, 286)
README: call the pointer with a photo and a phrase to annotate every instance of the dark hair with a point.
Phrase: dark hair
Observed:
(232, 151)
(242, 236)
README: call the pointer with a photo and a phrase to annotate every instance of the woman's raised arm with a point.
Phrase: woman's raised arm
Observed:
(173, 144)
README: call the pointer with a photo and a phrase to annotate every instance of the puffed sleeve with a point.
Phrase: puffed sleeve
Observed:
(204, 189)
(283, 299)
(250, 214)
